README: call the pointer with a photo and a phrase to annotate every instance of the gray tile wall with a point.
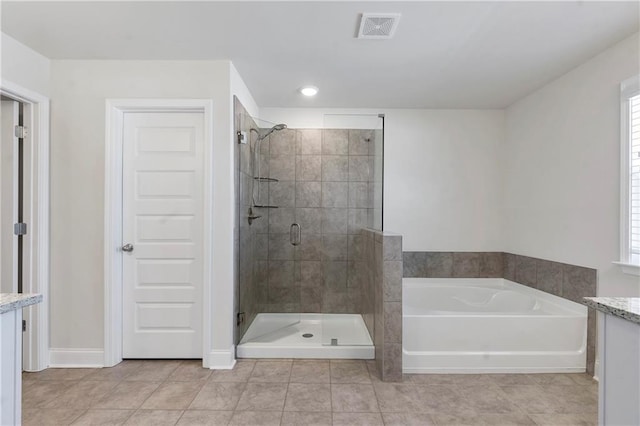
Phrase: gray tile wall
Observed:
(568, 281)
(323, 184)
(382, 304)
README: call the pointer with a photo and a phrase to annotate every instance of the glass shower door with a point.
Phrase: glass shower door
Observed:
(269, 307)
(354, 145)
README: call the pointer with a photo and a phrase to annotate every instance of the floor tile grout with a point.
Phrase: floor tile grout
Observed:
(504, 388)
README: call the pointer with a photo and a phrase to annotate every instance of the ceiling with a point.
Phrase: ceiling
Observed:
(444, 54)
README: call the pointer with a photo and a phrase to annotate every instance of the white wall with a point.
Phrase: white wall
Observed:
(78, 92)
(24, 66)
(442, 174)
(562, 168)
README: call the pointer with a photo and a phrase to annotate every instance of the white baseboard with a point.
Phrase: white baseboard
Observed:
(596, 370)
(76, 358)
(222, 360)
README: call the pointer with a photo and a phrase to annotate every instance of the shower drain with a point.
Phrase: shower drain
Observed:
(307, 335)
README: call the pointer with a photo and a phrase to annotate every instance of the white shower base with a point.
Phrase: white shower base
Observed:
(280, 336)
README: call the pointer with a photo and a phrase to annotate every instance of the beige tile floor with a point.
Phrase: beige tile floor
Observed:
(299, 392)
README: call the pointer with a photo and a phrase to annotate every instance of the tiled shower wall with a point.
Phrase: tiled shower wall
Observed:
(568, 281)
(325, 184)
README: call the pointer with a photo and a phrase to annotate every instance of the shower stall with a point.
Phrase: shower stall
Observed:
(302, 198)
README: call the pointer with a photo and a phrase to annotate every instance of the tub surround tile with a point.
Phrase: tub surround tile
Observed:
(414, 264)
(549, 276)
(466, 265)
(439, 264)
(526, 271)
(578, 282)
(491, 264)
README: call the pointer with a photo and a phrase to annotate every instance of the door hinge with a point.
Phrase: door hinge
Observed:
(21, 132)
(24, 325)
(20, 228)
(239, 318)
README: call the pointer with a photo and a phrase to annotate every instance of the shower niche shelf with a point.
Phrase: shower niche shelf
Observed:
(265, 179)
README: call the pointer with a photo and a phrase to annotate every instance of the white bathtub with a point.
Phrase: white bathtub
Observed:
(460, 325)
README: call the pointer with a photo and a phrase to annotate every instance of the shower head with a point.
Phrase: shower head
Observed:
(277, 127)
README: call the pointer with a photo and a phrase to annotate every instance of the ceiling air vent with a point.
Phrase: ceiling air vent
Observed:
(378, 25)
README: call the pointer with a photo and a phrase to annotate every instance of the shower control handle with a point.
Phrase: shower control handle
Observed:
(295, 235)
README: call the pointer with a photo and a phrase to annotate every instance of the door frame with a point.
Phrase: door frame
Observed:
(113, 279)
(36, 215)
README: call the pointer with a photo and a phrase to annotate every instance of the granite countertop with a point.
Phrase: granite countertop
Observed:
(624, 307)
(12, 301)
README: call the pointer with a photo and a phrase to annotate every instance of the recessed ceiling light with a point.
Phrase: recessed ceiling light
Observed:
(309, 90)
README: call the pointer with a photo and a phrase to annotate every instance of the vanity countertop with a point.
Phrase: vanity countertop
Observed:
(624, 307)
(12, 301)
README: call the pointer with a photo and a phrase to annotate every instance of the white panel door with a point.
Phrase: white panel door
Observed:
(8, 196)
(162, 220)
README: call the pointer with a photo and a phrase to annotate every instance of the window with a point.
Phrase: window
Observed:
(630, 184)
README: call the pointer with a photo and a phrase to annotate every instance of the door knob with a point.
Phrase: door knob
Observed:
(127, 247)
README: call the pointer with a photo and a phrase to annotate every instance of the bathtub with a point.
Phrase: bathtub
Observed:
(489, 325)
